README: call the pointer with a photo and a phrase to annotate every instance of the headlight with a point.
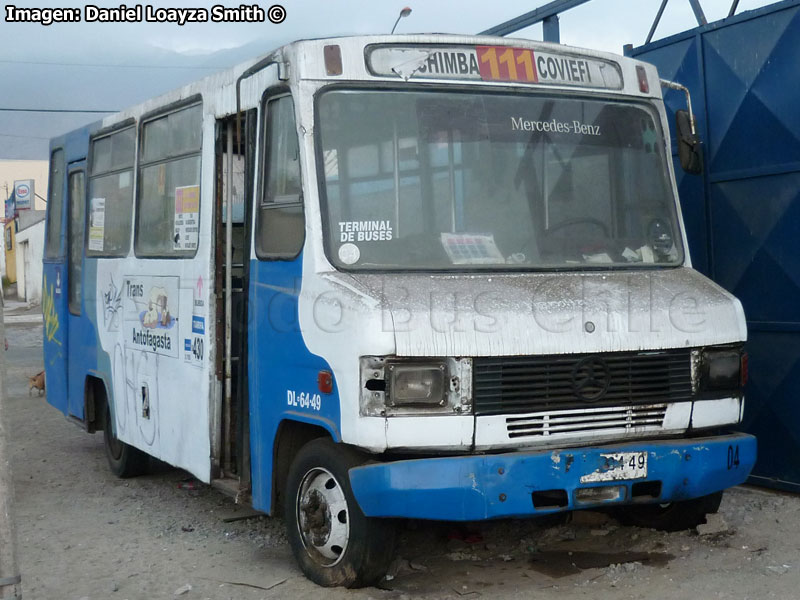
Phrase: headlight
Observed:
(416, 384)
(395, 386)
(719, 369)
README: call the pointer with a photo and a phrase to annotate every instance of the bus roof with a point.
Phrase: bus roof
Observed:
(442, 58)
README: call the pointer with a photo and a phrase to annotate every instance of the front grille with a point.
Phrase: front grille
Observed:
(592, 420)
(531, 384)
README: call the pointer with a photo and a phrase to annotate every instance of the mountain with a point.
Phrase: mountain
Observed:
(112, 81)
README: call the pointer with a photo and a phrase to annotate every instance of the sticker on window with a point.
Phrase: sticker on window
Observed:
(349, 254)
(471, 249)
(187, 216)
(97, 224)
(365, 231)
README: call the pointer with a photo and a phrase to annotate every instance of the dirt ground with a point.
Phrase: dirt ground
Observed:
(85, 535)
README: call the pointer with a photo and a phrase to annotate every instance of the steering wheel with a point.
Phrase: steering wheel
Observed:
(578, 221)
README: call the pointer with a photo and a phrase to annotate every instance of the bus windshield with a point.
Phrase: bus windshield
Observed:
(434, 180)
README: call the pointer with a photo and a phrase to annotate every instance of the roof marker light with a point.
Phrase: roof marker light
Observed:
(641, 74)
(333, 59)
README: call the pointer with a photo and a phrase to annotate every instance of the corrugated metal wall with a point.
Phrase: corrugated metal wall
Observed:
(743, 213)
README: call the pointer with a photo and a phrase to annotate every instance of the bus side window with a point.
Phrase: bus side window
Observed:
(75, 240)
(168, 194)
(110, 202)
(55, 205)
(280, 223)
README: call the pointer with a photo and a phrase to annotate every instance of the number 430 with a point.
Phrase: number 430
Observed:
(197, 348)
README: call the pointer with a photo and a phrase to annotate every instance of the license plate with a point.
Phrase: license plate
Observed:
(618, 467)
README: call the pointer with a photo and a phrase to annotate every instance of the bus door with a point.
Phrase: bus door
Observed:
(278, 357)
(54, 297)
(76, 198)
(234, 175)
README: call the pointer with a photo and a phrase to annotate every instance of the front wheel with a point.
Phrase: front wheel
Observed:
(332, 540)
(123, 459)
(673, 516)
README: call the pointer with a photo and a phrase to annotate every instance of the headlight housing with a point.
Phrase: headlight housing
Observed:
(719, 369)
(416, 384)
(412, 386)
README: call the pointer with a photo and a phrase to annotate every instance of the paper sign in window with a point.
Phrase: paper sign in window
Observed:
(97, 224)
(187, 217)
(471, 249)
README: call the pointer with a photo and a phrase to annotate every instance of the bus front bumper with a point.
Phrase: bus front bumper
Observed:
(515, 484)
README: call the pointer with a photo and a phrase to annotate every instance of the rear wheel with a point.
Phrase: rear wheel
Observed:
(673, 516)
(123, 459)
(332, 540)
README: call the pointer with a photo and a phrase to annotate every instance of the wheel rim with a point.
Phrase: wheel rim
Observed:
(323, 518)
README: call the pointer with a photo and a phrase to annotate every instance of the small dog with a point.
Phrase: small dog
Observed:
(37, 381)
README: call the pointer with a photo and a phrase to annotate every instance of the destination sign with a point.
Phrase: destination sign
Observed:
(493, 63)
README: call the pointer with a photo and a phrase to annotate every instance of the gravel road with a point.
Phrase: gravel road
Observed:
(85, 535)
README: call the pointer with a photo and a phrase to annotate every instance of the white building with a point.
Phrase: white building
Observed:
(30, 231)
(30, 250)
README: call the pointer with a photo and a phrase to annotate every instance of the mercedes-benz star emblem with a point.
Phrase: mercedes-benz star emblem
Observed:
(591, 378)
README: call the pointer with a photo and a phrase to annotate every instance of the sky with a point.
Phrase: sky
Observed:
(108, 66)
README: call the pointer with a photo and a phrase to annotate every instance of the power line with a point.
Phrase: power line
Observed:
(26, 137)
(56, 110)
(102, 65)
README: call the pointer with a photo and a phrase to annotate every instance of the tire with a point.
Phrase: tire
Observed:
(343, 549)
(123, 459)
(674, 516)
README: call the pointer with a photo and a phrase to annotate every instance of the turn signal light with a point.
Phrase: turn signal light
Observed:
(325, 382)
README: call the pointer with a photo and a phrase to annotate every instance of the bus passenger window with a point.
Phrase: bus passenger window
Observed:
(75, 240)
(280, 227)
(168, 205)
(55, 205)
(110, 203)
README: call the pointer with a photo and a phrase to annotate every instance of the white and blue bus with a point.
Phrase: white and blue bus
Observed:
(418, 276)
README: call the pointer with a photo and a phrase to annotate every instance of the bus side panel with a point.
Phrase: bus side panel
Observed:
(63, 364)
(54, 309)
(158, 390)
(84, 343)
(82, 337)
(282, 371)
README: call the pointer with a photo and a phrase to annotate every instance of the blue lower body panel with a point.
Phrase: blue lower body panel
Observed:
(489, 486)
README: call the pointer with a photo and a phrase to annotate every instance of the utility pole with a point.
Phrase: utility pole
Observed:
(10, 580)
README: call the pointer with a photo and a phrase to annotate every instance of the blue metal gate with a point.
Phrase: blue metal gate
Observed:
(743, 212)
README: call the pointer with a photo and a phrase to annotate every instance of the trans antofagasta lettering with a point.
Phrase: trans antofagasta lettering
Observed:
(154, 342)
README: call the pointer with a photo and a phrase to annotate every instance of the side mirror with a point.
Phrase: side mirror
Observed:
(689, 147)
